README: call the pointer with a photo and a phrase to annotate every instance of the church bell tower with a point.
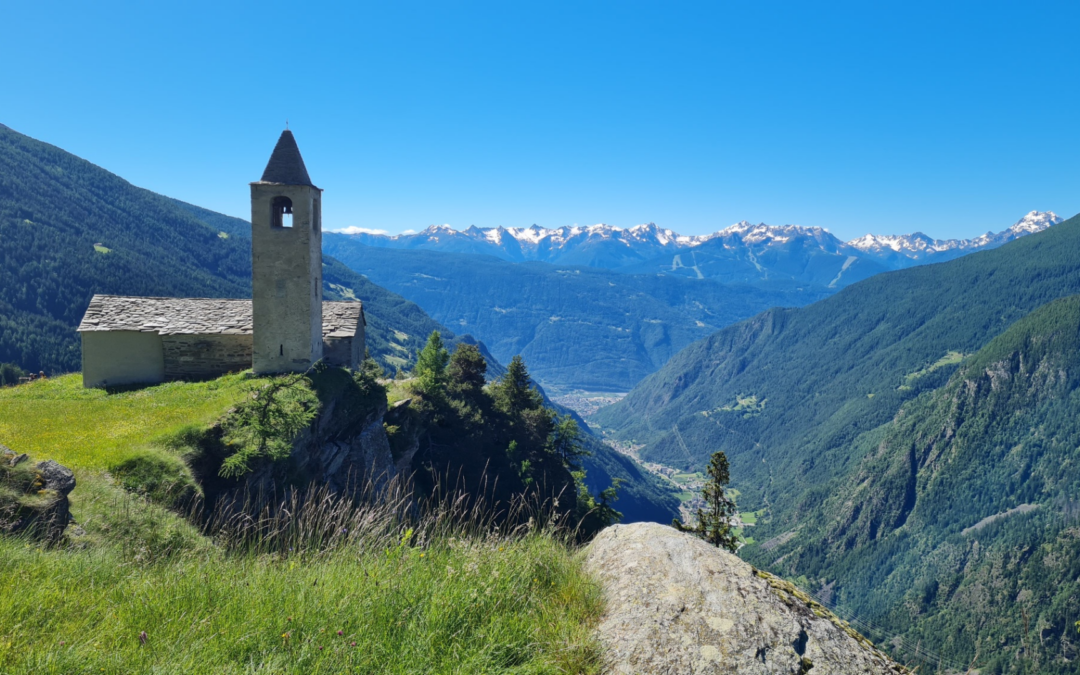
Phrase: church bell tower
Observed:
(286, 264)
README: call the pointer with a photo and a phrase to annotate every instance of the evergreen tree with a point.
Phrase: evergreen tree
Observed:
(714, 521)
(594, 514)
(514, 393)
(431, 366)
(565, 440)
(467, 371)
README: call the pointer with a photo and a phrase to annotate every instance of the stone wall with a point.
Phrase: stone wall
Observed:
(339, 352)
(205, 356)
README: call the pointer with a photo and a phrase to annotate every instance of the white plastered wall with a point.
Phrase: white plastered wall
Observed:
(121, 357)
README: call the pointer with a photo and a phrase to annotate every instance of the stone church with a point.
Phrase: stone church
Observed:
(285, 327)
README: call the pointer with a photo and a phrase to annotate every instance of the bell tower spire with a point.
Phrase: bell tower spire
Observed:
(286, 263)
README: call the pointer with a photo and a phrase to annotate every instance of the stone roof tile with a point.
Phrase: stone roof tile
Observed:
(199, 316)
(286, 165)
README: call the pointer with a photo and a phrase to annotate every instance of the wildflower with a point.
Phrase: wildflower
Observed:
(352, 644)
(285, 636)
(421, 555)
(341, 632)
(61, 643)
(143, 637)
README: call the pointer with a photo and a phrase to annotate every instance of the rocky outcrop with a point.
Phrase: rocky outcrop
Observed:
(678, 605)
(344, 450)
(34, 499)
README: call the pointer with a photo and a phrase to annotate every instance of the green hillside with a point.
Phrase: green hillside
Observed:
(824, 373)
(578, 327)
(824, 383)
(70, 229)
(961, 522)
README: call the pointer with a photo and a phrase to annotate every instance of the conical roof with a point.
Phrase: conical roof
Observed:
(286, 165)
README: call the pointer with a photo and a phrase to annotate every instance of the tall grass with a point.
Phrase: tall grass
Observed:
(313, 584)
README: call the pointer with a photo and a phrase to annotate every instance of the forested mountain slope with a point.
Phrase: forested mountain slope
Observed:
(803, 402)
(961, 521)
(577, 327)
(812, 378)
(70, 229)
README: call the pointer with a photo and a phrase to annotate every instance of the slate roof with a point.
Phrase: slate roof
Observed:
(286, 165)
(199, 316)
(339, 319)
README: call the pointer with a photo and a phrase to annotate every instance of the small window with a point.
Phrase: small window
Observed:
(316, 219)
(281, 212)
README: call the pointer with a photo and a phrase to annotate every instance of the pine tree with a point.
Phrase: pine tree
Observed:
(431, 364)
(714, 521)
(514, 393)
(467, 371)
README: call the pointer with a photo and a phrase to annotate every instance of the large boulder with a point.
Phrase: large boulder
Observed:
(34, 500)
(57, 478)
(678, 605)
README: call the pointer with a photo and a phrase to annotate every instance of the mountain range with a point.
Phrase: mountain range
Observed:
(892, 449)
(742, 252)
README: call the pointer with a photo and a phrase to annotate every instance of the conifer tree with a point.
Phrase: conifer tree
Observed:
(714, 521)
(514, 393)
(431, 364)
(467, 371)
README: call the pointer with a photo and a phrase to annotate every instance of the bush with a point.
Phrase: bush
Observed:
(10, 374)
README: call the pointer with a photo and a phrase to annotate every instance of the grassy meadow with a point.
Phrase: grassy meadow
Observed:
(92, 429)
(136, 588)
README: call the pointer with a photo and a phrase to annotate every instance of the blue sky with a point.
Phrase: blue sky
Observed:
(885, 117)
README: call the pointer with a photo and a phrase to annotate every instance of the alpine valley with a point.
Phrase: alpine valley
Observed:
(597, 308)
(907, 447)
(902, 436)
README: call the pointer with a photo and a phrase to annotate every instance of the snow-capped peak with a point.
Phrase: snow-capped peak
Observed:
(1036, 221)
(917, 244)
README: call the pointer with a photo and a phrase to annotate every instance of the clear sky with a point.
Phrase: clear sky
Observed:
(885, 117)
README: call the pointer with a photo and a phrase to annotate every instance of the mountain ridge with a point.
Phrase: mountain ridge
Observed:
(641, 243)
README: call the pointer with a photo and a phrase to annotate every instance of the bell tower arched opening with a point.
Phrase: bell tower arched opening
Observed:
(281, 212)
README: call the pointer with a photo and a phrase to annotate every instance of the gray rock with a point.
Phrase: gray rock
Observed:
(59, 479)
(679, 605)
